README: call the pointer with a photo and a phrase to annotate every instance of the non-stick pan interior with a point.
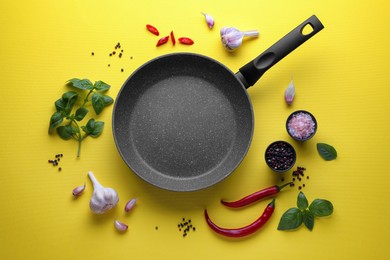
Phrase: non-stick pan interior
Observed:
(182, 122)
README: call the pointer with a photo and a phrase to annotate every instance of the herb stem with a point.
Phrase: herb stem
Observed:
(86, 98)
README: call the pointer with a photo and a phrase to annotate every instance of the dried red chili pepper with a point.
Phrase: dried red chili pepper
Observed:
(255, 196)
(173, 38)
(162, 41)
(186, 41)
(247, 230)
(152, 29)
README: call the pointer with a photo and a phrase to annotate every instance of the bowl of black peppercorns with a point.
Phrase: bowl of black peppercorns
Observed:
(280, 156)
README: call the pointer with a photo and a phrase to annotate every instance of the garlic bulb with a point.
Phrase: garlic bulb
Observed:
(232, 38)
(103, 199)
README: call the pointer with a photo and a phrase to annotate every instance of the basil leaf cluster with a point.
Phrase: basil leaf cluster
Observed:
(66, 123)
(305, 213)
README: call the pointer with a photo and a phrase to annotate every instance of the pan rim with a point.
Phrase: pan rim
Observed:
(192, 183)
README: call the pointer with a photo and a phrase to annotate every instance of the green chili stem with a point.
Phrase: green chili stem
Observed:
(282, 186)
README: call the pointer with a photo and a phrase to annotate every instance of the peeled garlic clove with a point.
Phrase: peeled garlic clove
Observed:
(130, 204)
(120, 226)
(103, 199)
(78, 190)
(289, 93)
(209, 20)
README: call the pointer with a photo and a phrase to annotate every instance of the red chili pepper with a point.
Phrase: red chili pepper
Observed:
(247, 230)
(162, 41)
(152, 29)
(173, 38)
(255, 196)
(186, 41)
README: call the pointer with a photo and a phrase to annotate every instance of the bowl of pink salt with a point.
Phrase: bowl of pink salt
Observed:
(301, 125)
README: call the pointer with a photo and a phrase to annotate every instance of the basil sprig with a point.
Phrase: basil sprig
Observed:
(67, 123)
(305, 213)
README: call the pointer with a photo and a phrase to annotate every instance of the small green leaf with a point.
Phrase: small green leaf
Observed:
(83, 84)
(85, 129)
(108, 100)
(308, 219)
(55, 120)
(327, 151)
(98, 129)
(101, 86)
(302, 202)
(60, 104)
(321, 208)
(88, 128)
(291, 219)
(65, 132)
(81, 113)
(68, 96)
(70, 99)
(98, 103)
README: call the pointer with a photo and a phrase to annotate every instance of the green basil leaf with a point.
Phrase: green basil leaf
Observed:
(55, 120)
(101, 86)
(83, 84)
(302, 202)
(327, 151)
(321, 208)
(65, 132)
(75, 130)
(98, 129)
(69, 95)
(85, 129)
(308, 219)
(291, 219)
(88, 128)
(70, 99)
(108, 100)
(60, 104)
(81, 113)
(98, 103)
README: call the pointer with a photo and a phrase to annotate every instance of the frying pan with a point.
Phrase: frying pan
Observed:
(184, 121)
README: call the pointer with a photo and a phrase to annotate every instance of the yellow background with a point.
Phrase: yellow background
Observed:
(341, 76)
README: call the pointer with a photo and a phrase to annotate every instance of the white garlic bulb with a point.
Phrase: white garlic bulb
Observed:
(232, 38)
(103, 199)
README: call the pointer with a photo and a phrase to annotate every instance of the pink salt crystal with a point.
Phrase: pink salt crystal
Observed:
(301, 126)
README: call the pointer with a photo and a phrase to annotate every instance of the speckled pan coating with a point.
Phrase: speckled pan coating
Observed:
(183, 122)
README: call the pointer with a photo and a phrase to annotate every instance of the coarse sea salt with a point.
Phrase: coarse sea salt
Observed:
(301, 126)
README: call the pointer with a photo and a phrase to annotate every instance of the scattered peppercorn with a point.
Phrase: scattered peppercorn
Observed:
(56, 161)
(93, 53)
(185, 226)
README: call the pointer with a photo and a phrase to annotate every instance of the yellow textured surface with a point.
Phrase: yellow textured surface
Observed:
(342, 76)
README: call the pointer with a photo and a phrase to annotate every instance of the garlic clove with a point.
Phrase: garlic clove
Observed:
(103, 199)
(209, 20)
(289, 93)
(130, 205)
(120, 226)
(78, 190)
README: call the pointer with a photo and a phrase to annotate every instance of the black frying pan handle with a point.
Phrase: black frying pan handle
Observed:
(250, 73)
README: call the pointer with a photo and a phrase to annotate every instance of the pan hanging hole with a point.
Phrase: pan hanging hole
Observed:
(307, 29)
